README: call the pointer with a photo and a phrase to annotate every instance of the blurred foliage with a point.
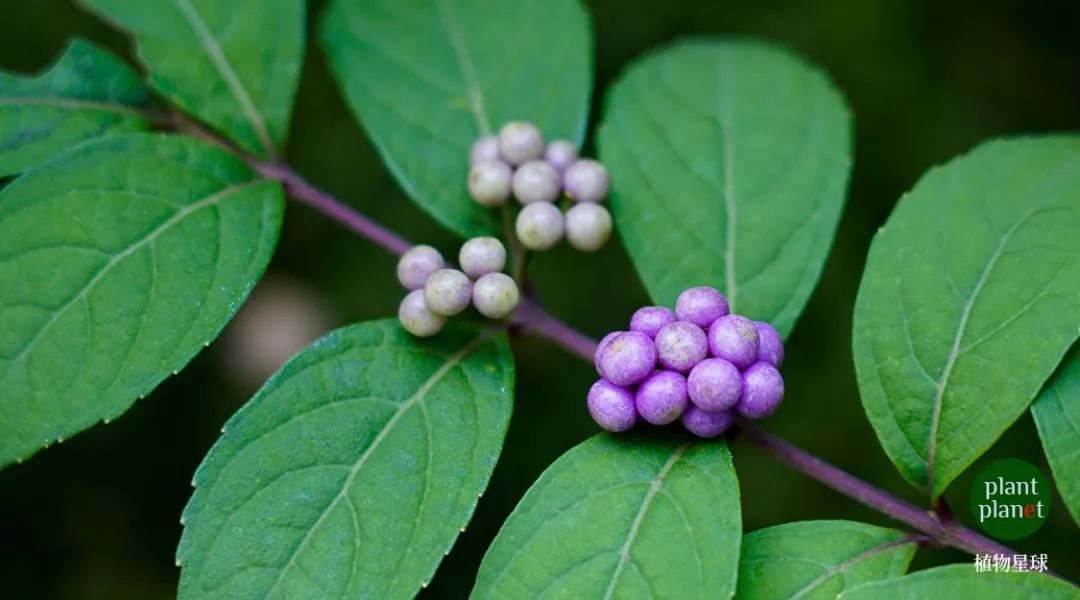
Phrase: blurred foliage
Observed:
(97, 516)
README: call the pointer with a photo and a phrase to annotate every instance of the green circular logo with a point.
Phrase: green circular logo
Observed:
(1010, 499)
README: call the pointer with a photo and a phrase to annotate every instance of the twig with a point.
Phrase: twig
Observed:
(531, 316)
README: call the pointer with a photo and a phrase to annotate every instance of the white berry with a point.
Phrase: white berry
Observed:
(586, 181)
(489, 183)
(485, 149)
(560, 154)
(520, 142)
(417, 264)
(417, 318)
(588, 226)
(482, 255)
(447, 292)
(495, 295)
(539, 226)
(536, 181)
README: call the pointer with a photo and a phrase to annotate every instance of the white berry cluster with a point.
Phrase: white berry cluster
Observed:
(517, 163)
(438, 292)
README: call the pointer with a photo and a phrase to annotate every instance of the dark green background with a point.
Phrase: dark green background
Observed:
(98, 516)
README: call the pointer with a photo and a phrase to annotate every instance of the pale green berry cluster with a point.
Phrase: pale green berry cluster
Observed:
(437, 292)
(517, 163)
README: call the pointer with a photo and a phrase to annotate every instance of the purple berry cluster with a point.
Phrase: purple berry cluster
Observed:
(698, 363)
(437, 292)
(518, 163)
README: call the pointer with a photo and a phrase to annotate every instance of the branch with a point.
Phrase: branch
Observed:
(532, 316)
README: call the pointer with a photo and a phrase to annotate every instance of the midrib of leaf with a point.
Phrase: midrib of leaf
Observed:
(71, 104)
(461, 53)
(117, 258)
(958, 337)
(724, 116)
(221, 63)
(847, 564)
(646, 502)
(417, 397)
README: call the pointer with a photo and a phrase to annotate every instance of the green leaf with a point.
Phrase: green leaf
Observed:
(1057, 416)
(120, 261)
(350, 474)
(819, 559)
(631, 516)
(729, 160)
(86, 93)
(970, 297)
(427, 77)
(233, 64)
(962, 581)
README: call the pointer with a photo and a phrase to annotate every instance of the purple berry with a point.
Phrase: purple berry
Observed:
(485, 149)
(763, 389)
(611, 406)
(600, 348)
(662, 399)
(714, 385)
(680, 346)
(772, 347)
(706, 424)
(651, 319)
(586, 181)
(734, 339)
(701, 306)
(560, 154)
(628, 358)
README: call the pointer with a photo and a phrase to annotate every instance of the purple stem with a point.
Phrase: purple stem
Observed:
(301, 190)
(532, 316)
(947, 532)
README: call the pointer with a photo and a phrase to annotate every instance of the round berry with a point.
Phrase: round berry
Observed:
(662, 399)
(495, 295)
(586, 181)
(701, 306)
(536, 181)
(763, 390)
(417, 318)
(772, 347)
(600, 348)
(485, 149)
(482, 255)
(539, 226)
(651, 319)
(520, 142)
(628, 358)
(714, 385)
(447, 292)
(734, 339)
(612, 406)
(680, 346)
(489, 183)
(417, 264)
(706, 424)
(560, 154)
(588, 227)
